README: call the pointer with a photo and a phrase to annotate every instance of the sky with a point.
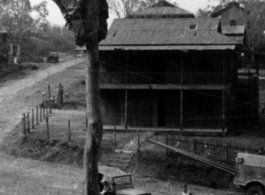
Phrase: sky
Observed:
(55, 16)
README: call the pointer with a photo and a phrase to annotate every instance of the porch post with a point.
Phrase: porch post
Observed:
(181, 110)
(126, 109)
(181, 91)
(257, 64)
(224, 67)
(223, 111)
(126, 93)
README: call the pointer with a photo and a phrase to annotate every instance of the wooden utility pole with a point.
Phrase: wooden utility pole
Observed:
(94, 129)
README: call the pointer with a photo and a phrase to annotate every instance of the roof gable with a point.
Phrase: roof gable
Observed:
(162, 9)
(163, 3)
(220, 9)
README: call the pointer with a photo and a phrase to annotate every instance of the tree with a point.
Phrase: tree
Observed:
(43, 12)
(122, 8)
(90, 13)
(16, 20)
(256, 25)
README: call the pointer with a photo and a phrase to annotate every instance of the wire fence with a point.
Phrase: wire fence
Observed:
(222, 152)
(45, 123)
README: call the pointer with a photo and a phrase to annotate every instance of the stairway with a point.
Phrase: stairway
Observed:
(122, 158)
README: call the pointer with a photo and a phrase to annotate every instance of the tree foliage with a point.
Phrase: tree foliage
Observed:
(16, 21)
(122, 8)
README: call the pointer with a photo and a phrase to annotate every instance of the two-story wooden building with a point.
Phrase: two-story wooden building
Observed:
(167, 73)
(233, 20)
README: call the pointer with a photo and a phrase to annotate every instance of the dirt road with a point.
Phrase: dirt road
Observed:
(25, 176)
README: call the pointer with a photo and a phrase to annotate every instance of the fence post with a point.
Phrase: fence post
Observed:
(115, 138)
(28, 123)
(138, 141)
(166, 143)
(47, 128)
(32, 120)
(226, 152)
(24, 125)
(41, 114)
(37, 115)
(44, 113)
(69, 131)
(86, 122)
(195, 146)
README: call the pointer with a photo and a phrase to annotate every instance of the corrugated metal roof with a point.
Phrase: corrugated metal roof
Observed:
(166, 47)
(165, 37)
(165, 32)
(170, 24)
(239, 38)
(233, 29)
(172, 12)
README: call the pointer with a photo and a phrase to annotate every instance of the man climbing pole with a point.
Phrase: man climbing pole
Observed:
(87, 20)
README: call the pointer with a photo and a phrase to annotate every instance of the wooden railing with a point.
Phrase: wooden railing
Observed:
(169, 122)
(247, 78)
(202, 78)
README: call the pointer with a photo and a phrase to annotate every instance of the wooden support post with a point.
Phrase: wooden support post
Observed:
(224, 67)
(126, 93)
(37, 115)
(126, 110)
(115, 138)
(256, 62)
(44, 113)
(167, 143)
(58, 96)
(86, 122)
(69, 131)
(32, 119)
(28, 122)
(195, 151)
(61, 94)
(49, 92)
(223, 111)
(249, 75)
(138, 141)
(24, 125)
(181, 110)
(47, 128)
(94, 130)
(181, 92)
(226, 152)
(181, 67)
(41, 113)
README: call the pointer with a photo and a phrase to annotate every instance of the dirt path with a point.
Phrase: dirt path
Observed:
(25, 176)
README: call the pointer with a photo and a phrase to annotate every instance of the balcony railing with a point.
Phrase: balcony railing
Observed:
(169, 122)
(247, 78)
(202, 78)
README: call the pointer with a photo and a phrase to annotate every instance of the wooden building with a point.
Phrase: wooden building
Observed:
(168, 74)
(233, 21)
